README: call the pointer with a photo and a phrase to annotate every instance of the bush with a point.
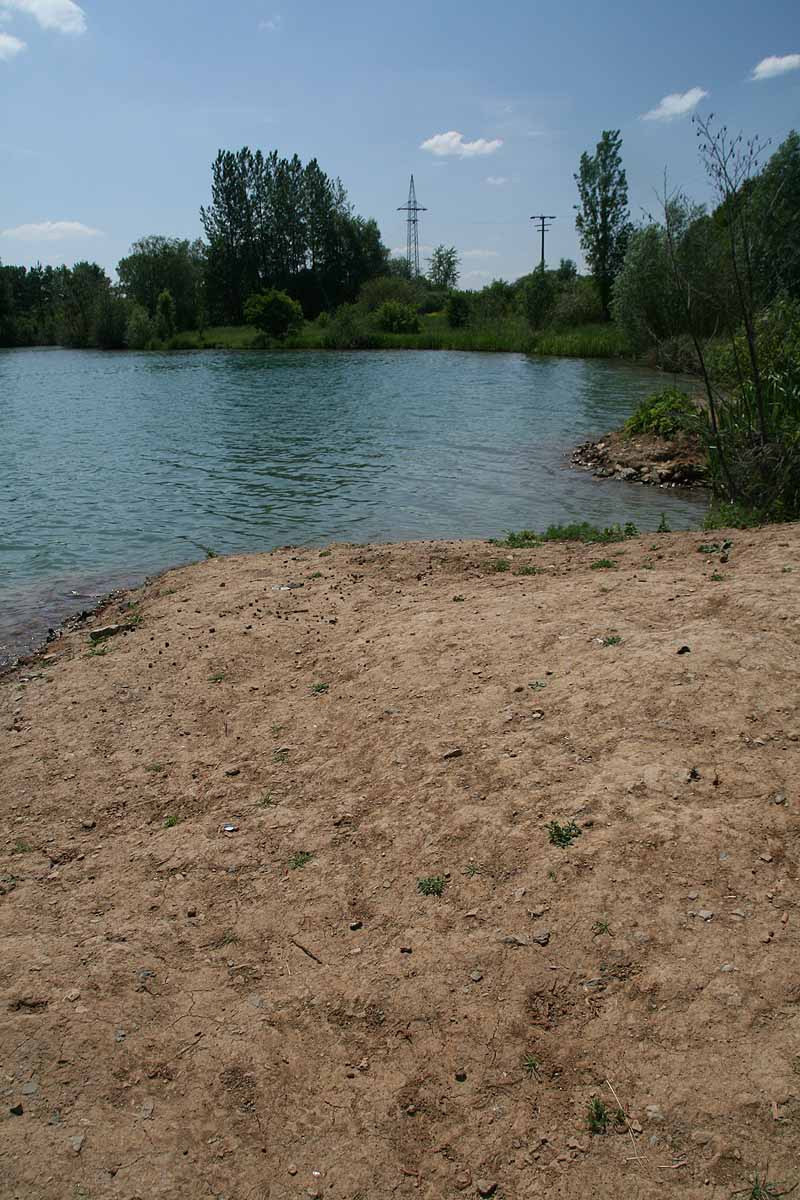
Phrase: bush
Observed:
(457, 310)
(577, 304)
(377, 292)
(139, 330)
(110, 322)
(347, 330)
(396, 317)
(538, 297)
(664, 414)
(273, 313)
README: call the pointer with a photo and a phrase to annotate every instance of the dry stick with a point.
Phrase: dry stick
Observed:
(310, 953)
(636, 1153)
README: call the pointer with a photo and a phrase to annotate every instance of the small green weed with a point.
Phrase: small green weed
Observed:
(315, 575)
(98, 651)
(552, 875)
(582, 531)
(319, 689)
(530, 1066)
(472, 869)
(563, 835)
(612, 640)
(761, 1187)
(170, 822)
(266, 801)
(300, 859)
(499, 564)
(604, 564)
(599, 1116)
(665, 414)
(787, 570)
(169, 591)
(325, 553)
(663, 525)
(529, 569)
(519, 541)
(714, 547)
(210, 553)
(601, 926)
(459, 599)
(537, 685)
(432, 885)
(276, 730)
(217, 677)
(280, 756)
(21, 847)
(717, 578)
(156, 768)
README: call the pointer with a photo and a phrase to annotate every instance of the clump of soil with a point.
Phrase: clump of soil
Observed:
(645, 458)
(419, 879)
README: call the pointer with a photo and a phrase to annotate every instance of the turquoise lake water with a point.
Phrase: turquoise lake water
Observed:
(117, 465)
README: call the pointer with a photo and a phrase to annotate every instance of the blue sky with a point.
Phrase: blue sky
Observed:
(112, 112)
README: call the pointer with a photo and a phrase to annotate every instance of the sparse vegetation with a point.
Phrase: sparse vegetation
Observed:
(761, 1187)
(499, 565)
(529, 569)
(319, 689)
(170, 822)
(563, 835)
(613, 639)
(664, 414)
(600, 927)
(459, 599)
(603, 564)
(300, 859)
(530, 1066)
(21, 847)
(217, 677)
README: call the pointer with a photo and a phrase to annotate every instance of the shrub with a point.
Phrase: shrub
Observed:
(377, 292)
(577, 304)
(347, 330)
(396, 317)
(457, 310)
(273, 313)
(538, 297)
(664, 414)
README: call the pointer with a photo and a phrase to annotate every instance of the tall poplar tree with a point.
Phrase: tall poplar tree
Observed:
(603, 220)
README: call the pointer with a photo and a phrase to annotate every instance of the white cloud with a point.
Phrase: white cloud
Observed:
(65, 16)
(480, 254)
(271, 24)
(497, 180)
(476, 275)
(10, 47)
(51, 231)
(452, 145)
(677, 104)
(776, 64)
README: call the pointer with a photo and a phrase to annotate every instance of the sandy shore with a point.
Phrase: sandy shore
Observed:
(219, 974)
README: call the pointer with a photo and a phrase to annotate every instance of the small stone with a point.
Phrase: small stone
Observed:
(767, 937)
(455, 753)
(191, 912)
(88, 824)
(461, 1075)
(542, 937)
(411, 1110)
(147, 1109)
(292, 1169)
(653, 1112)
(406, 950)
(73, 996)
(705, 914)
(76, 1143)
(684, 650)
(536, 912)
(30, 1088)
(635, 1126)
(486, 1187)
(233, 771)
(778, 798)
(726, 968)
(692, 895)
(463, 1181)
(16, 1110)
(356, 925)
(766, 856)
(701, 1137)
(313, 1193)
(119, 1035)
(475, 976)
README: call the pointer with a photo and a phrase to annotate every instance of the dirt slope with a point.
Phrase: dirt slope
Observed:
(189, 1012)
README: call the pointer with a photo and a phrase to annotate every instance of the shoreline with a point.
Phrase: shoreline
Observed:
(435, 811)
(645, 459)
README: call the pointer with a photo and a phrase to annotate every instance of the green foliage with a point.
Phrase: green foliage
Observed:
(457, 310)
(499, 565)
(443, 267)
(384, 288)
(664, 414)
(319, 689)
(582, 531)
(576, 303)
(273, 313)
(170, 822)
(300, 859)
(109, 327)
(604, 564)
(612, 640)
(603, 220)
(563, 835)
(590, 341)
(139, 329)
(538, 298)
(165, 315)
(530, 1066)
(156, 264)
(567, 271)
(396, 317)
(521, 539)
(432, 885)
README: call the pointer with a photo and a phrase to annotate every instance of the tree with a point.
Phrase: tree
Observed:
(567, 271)
(444, 267)
(139, 330)
(457, 310)
(538, 297)
(110, 321)
(274, 313)
(81, 290)
(156, 264)
(165, 316)
(603, 220)
(396, 317)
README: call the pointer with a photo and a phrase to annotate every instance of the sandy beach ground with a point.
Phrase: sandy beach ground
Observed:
(225, 969)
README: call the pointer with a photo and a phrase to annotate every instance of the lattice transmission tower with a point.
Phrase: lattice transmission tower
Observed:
(412, 229)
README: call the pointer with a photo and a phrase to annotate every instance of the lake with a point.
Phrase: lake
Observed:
(118, 465)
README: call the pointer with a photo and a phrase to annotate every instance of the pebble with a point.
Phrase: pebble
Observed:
(692, 895)
(542, 937)
(726, 968)
(475, 976)
(486, 1187)
(191, 912)
(355, 925)
(76, 1143)
(463, 1181)
(461, 1075)
(292, 1169)
(73, 995)
(147, 1109)
(701, 1137)
(30, 1088)
(653, 1112)
(705, 914)
(88, 824)
(766, 857)
(119, 1035)
(456, 753)
(778, 798)
(16, 1110)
